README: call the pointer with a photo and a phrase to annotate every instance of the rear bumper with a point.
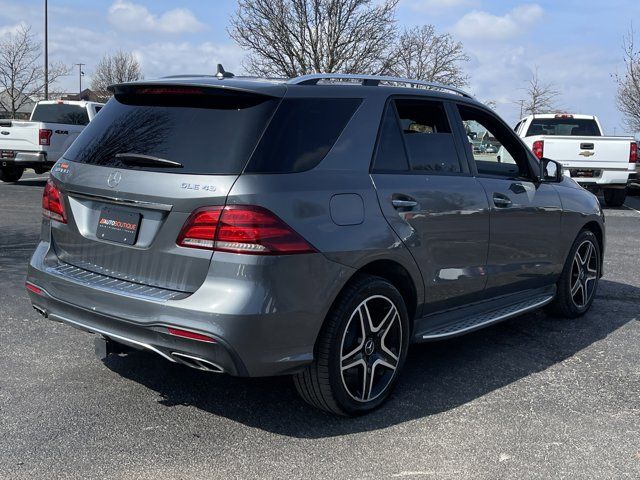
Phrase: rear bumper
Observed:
(27, 160)
(264, 317)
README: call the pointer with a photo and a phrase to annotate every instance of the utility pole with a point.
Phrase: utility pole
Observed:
(80, 74)
(46, 52)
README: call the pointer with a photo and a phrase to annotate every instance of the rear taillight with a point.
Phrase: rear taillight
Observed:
(241, 229)
(44, 136)
(538, 149)
(633, 153)
(52, 206)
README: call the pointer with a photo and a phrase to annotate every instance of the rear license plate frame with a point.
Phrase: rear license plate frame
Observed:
(119, 226)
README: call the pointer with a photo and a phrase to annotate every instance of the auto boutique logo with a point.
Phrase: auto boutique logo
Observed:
(113, 180)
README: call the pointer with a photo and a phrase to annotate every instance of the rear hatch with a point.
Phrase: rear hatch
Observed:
(155, 154)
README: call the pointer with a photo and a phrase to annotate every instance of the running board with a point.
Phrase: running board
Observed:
(475, 322)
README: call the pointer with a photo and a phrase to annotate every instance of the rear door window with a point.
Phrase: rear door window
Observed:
(301, 133)
(427, 136)
(60, 113)
(564, 125)
(207, 130)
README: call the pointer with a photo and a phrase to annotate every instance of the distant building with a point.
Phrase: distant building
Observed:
(88, 95)
(23, 113)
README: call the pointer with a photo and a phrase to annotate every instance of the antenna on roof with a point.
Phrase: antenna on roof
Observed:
(221, 73)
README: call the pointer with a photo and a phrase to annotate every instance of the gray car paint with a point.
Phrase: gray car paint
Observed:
(266, 312)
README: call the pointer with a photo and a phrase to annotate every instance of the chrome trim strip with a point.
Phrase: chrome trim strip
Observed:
(493, 320)
(373, 80)
(122, 201)
(83, 326)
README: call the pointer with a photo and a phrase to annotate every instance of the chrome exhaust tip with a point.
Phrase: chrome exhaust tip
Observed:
(197, 362)
(41, 311)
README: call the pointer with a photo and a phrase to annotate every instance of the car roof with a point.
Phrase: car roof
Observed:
(313, 85)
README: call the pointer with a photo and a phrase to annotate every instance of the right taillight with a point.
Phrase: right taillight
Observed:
(52, 205)
(44, 136)
(241, 229)
(538, 149)
(633, 153)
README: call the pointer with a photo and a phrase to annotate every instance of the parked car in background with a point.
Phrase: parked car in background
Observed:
(39, 142)
(313, 227)
(576, 141)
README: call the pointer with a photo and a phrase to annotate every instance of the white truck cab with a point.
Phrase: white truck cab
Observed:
(39, 142)
(595, 161)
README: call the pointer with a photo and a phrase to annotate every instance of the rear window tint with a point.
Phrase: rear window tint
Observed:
(208, 131)
(60, 113)
(563, 126)
(301, 133)
(427, 136)
(390, 154)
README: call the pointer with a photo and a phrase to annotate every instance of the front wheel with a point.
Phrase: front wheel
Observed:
(360, 351)
(578, 282)
(11, 174)
(615, 197)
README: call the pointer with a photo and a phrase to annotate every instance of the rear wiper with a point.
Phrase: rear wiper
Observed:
(146, 160)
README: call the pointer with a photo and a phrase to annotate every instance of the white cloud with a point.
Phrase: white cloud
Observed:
(124, 15)
(485, 25)
(11, 29)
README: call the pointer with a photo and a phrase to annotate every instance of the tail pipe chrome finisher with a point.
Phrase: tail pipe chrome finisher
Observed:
(197, 362)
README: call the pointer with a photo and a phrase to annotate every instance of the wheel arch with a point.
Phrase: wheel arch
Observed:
(595, 228)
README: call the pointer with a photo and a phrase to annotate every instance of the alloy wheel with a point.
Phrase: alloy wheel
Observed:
(584, 274)
(370, 348)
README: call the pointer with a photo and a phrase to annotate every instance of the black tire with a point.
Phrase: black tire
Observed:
(615, 197)
(331, 385)
(569, 303)
(11, 174)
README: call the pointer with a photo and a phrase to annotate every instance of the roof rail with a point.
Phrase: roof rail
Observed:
(372, 81)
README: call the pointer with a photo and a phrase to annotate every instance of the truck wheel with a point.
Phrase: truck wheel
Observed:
(11, 174)
(615, 197)
(578, 282)
(360, 350)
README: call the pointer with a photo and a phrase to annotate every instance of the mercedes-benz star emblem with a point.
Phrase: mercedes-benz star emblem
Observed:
(114, 179)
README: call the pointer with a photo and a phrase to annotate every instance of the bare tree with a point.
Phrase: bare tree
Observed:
(628, 96)
(116, 68)
(21, 71)
(423, 54)
(541, 96)
(294, 37)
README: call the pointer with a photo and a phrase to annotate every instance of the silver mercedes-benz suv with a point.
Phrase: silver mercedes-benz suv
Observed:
(313, 227)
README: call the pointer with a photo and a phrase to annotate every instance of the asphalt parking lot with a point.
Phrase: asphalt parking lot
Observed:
(533, 397)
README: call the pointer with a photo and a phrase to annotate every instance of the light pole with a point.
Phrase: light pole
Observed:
(46, 52)
(80, 74)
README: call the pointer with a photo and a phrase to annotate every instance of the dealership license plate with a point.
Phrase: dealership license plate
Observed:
(118, 226)
(7, 154)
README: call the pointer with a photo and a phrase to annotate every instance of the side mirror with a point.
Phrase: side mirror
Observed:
(550, 170)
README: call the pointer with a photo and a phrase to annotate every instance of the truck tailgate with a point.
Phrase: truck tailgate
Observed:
(587, 152)
(20, 136)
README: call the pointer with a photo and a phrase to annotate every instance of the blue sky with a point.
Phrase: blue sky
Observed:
(574, 43)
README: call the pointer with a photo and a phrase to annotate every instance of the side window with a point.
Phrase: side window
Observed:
(428, 140)
(517, 127)
(390, 154)
(495, 148)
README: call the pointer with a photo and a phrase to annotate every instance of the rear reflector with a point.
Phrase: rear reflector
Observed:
(538, 149)
(52, 205)
(44, 136)
(176, 332)
(241, 229)
(633, 153)
(32, 288)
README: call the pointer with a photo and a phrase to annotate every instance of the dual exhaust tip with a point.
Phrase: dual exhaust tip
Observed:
(196, 362)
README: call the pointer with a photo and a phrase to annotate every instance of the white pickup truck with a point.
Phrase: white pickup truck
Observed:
(39, 142)
(576, 141)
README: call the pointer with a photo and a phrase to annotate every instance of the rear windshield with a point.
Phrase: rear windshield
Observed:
(207, 131)
(564, 126)
(60, 113)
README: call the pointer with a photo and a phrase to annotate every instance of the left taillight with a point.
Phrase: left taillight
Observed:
(241, 229)
(633, 153)
(52, 204)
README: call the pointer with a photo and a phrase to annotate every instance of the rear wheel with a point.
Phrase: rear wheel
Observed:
(615, 197)
(579, 280)
(11, 174)
(361, 350)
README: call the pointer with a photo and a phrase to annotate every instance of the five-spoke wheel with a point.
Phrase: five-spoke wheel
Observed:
(360, 350)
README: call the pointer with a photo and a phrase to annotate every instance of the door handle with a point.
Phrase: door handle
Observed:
(397, 203)
(501, 201)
